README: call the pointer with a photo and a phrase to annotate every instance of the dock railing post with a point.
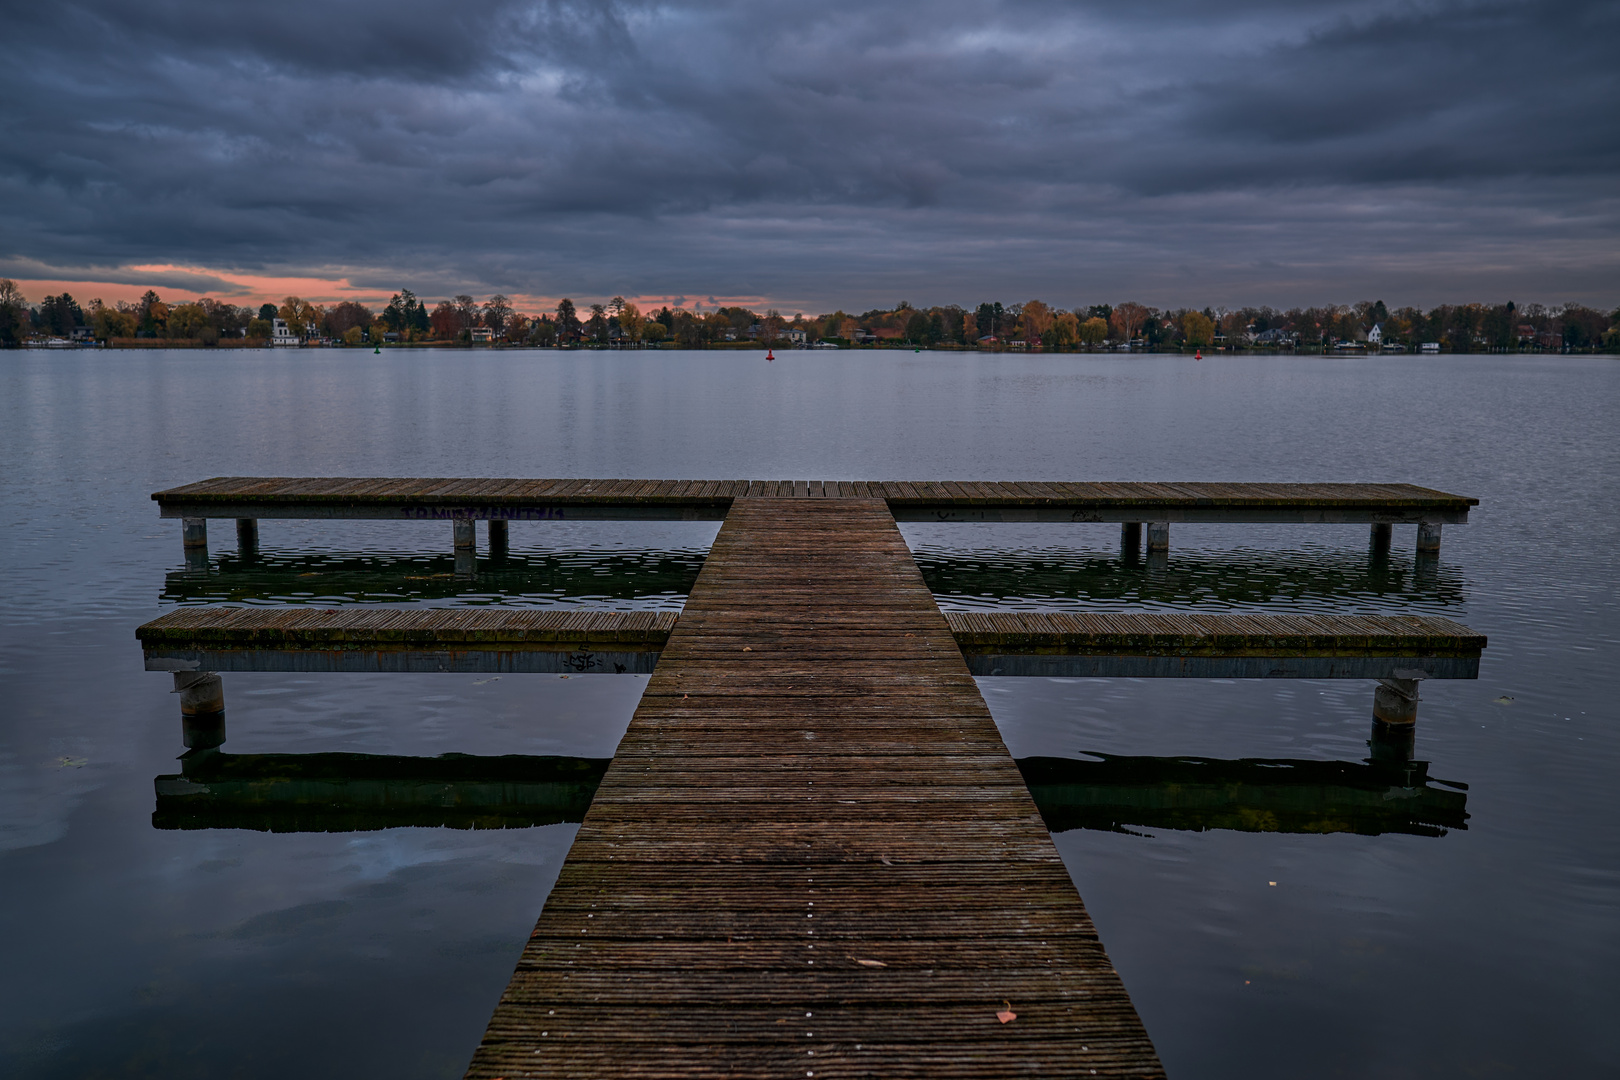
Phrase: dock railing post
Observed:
(247, 539)
(1158, 536)
(1428, 540)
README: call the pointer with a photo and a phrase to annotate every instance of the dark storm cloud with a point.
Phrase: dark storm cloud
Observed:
(837, 153)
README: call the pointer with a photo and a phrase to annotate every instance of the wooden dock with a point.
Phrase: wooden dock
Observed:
(1038, 643)
(812, 854)
(467, 500)
(468, 639)
(1225, 646)
(423, 499)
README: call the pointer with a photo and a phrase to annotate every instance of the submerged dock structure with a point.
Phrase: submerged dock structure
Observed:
(812, 854)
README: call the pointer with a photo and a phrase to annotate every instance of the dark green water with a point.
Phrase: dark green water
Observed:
(1469, 929)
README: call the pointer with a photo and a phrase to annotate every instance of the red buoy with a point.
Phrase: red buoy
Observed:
(769, 355)
(1198, 354)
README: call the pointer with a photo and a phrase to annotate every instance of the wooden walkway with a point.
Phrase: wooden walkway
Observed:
(1050, 644)
(253, 497)
(1226, 646)
(470, 639)
(812, 854)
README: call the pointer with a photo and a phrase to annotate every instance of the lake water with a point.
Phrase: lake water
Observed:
(1488, 949)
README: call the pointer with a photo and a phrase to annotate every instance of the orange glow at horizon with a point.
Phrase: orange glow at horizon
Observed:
(256, 289)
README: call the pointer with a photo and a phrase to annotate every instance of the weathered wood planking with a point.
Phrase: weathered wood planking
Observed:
(466, 639)
(812, 854)
(252, 497)
(995, 643)
(1227, 646)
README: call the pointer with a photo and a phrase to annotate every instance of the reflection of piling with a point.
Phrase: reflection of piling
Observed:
(1392, 742)
(466, 540)
(497, 541)
(202, 708)
(247, 539)
(1130, 540)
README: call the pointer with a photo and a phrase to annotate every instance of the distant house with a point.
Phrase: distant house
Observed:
(481, 335)
(1375, 336)
(794, 334)
(1275, 338)
(281, 335)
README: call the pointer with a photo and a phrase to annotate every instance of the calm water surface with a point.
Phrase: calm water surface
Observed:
(1490, 949)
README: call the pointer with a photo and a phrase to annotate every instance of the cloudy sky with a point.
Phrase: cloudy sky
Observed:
(845, 153)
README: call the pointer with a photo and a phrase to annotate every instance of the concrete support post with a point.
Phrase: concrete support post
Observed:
(1130, 537)
(194, 533)
(1395, 701)
(1381, 536)
(1158, 536)
(1428, 537)
(497, 539)
(194, 538)
(202, 708)
(247, 538)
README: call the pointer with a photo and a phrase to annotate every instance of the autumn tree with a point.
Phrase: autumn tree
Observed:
(1197, 328)
(1094, 331)
(1126, 320)
(301, 316)
(346, 316)
(497, 311)
(1034, 320)
(631, 321)
(445, 322)
(1065, 332)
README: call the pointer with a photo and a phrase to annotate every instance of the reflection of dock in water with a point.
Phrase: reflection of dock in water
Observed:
(360, 792)
(1249, 795)
(652, 577)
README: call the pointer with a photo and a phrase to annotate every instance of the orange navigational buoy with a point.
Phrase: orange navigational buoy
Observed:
(769, 355)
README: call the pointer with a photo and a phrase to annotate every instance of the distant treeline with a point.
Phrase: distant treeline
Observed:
(1033, 324)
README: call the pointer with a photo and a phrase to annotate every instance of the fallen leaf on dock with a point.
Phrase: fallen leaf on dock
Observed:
(492, 678)
(72, 762)
(1007, 1016)
(1503, 700)
(871, 963)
